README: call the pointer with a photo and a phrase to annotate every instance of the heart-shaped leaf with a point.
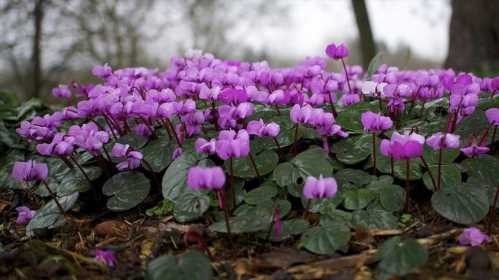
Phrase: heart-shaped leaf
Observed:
(49, 216)
(326, 240)
(483, 173)
(461, 204)
(358, 198)
(265, 191)
(353, 149)
(374, 219)
(391, 197)
(175, 178)
(400, 256)
(450, 176)
(191, 265)
(285, 174)
(158, 153)
(126, 189)
(190, 206)
(355, 176)
(265, 162)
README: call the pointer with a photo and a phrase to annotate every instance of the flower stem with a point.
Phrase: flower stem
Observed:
(429, 173)
(54, 197)
(333, 109)
(81, 169)
(253, 163)
(292, 150)
(223, 203)
(110, 127)
(407, 183)
(232, 187)
(494, 135)
(149, 167)
(169, 123)
(493, 210)
(276, 143)
(439, 172)
(392, 168)
(346, 75)
(374, 154)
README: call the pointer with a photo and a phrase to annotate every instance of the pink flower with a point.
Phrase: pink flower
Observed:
(211, 178)
(24, 215)
(337, 51)
(301, 115)
(374, 122)
(229, 144)
(259, 128)
(475, 150)
(62, 91)
(30, 171)
(105, 256)
(441, 140)
(473, 236)
(403, 146)
(493, 116)
(320, 188)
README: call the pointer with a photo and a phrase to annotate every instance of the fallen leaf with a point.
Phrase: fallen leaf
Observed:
(112, 228)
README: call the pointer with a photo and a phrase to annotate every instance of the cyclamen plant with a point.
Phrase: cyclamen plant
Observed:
(217, 115)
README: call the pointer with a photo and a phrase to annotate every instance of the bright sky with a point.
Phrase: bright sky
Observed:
(420, 24)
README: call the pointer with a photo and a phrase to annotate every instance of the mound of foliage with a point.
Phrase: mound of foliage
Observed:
(135, 138)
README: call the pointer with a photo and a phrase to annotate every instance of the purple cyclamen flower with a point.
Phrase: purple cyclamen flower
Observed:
(320, 188)
(474, 150)
(259, 128)
(30, 171)
(473, 236)
(206, 147)
(102, 71)
(211, 178)
(374, 122)
(493, 116)
(119, 150)
(301, 115)
(62, 91)
(24, 215)
(177, 153)
(403, 146)
(105, 256)
(349, 99)
(229, 144)
(337, 51)
(441, 140)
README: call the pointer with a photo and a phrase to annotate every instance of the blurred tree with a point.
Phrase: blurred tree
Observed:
(474, 36)
(37, 47)
(367, 45)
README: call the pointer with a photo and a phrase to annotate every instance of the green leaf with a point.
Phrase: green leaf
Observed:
(164, 208)
(126, 189)
(483, 174)
(312, 162)
(374, 219)
(355, 176)
(290, 228)
(158, 153)
(374, 64)
(285, 174)
(399, 167)
(191, 206)
(353, 149)
(265, 163)
(326, 240)
(49, 216)
(265, 191)
(450, 176)
(358, 198)
(448, 156)
(175, 178)
(461, 204)
(400, 256)
(473, 125)
(191, 265)
(391, 197)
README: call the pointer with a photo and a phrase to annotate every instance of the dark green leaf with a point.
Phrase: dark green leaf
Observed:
(190, 206)
(326, 240)
(461, 204)
(265, 163)
(374, 219)
(353, 149)
(400, 256)
(49, 216)
(126, 189)
(158, 153)
(358, 198)
(191, 265)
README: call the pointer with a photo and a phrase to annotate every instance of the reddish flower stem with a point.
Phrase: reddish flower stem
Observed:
(493, 210)
(54, 197)
(253, 163)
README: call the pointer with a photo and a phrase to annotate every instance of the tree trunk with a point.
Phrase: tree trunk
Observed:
(37, 48)
(474, 36)
(367, 45)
